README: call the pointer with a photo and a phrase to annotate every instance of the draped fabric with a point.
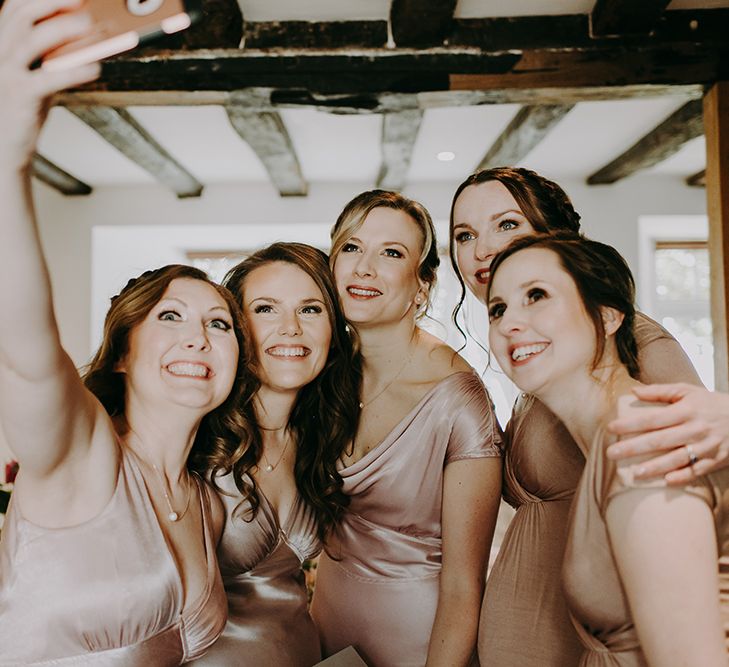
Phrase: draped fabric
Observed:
(107, 591)
(260, 561)
(377, 585)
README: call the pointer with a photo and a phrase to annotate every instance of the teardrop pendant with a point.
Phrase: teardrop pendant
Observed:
(173, 516)
(268, 468)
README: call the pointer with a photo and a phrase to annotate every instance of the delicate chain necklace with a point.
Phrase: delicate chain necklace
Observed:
(269, 466)
(364, 404)
(172, 514)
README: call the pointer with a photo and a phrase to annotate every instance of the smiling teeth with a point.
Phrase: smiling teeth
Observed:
(287, 351)
(188, 369)
(521, 353)
(363, 292)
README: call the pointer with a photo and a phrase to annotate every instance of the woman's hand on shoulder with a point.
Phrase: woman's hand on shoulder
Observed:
(689, 424)
(28, 30)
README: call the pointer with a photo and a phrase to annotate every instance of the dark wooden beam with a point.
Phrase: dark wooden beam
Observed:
(619, 17)
(314, 34)
(121, 130)
(716, 119)
(525, 131)
(52, 175)
(697, 180)
(399, 133)
(572, 31)
(421, 22)
(220, 27)
(266, 134)
(660, 143)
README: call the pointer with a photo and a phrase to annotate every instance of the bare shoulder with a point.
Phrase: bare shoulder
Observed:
(439, 360)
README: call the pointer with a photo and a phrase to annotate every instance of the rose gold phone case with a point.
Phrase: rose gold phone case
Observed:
(120, 26)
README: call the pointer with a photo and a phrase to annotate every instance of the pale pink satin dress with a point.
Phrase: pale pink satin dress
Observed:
(260, 560)
(593, 588)
(106, 592)
(524, 617)
(381, 595)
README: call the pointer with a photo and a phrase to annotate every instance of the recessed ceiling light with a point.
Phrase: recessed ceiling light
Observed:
(446, 156)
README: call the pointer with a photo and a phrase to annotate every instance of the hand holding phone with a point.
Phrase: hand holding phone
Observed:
(121, 25)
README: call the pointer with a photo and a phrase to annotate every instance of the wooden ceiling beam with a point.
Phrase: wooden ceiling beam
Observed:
(121, 130)
(314, 34)
(524, 133)
(52, 175)
(697, 180)
(660, 143)
(266, 134)
(418, 23)
(399, 133)
(620, 17)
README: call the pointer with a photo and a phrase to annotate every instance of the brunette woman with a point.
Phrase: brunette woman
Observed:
(524, 620)
(280, 485)
(402, 579)
(108, 549)
(643, 569)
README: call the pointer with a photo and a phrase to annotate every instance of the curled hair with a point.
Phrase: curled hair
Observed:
(544, 204)
(128, 310)
(353, 216)
(603, 280)
(325, 415)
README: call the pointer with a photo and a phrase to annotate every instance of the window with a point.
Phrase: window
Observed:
(676, 291)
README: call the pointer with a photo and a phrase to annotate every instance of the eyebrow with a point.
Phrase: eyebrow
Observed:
(270, 299)
(384, 243)
(183, 303)
(528, 283)
(495, 216)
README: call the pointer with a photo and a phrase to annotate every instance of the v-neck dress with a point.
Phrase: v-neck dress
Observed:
(260, 561)
(524, 617)
(377, 583)
(106, 592)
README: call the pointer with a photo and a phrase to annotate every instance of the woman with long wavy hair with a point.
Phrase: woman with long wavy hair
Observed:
(280, 486)
(108, 549)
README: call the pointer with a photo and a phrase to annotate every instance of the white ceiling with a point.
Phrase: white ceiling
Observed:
(346, 148)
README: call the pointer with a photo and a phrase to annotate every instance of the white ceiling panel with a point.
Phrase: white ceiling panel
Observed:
(203, 141)
(595, 133)
(333, 147)
(314, 10)
(74, 146)
(466, 131)
(481, 8)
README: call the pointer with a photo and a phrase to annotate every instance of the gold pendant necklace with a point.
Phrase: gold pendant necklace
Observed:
(173, 516)
(271, 467)
(364, 404)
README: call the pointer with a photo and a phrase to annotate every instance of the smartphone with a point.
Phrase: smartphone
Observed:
(121, 25)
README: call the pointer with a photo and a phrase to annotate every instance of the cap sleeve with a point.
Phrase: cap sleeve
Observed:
(475, 432)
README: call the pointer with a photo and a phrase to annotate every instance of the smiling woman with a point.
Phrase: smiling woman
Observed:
(280, 485)
(104, 506)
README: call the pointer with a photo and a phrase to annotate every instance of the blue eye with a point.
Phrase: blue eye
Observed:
(465, 237)
(169, 316)
(220, 324)
(508, 225)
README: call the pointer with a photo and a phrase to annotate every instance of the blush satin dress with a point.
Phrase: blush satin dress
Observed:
(260, 561)
(106, 592)
(524, 617)
(377, 583)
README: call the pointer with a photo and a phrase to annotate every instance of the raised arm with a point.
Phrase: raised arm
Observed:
(48, 417)
(665, 547)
